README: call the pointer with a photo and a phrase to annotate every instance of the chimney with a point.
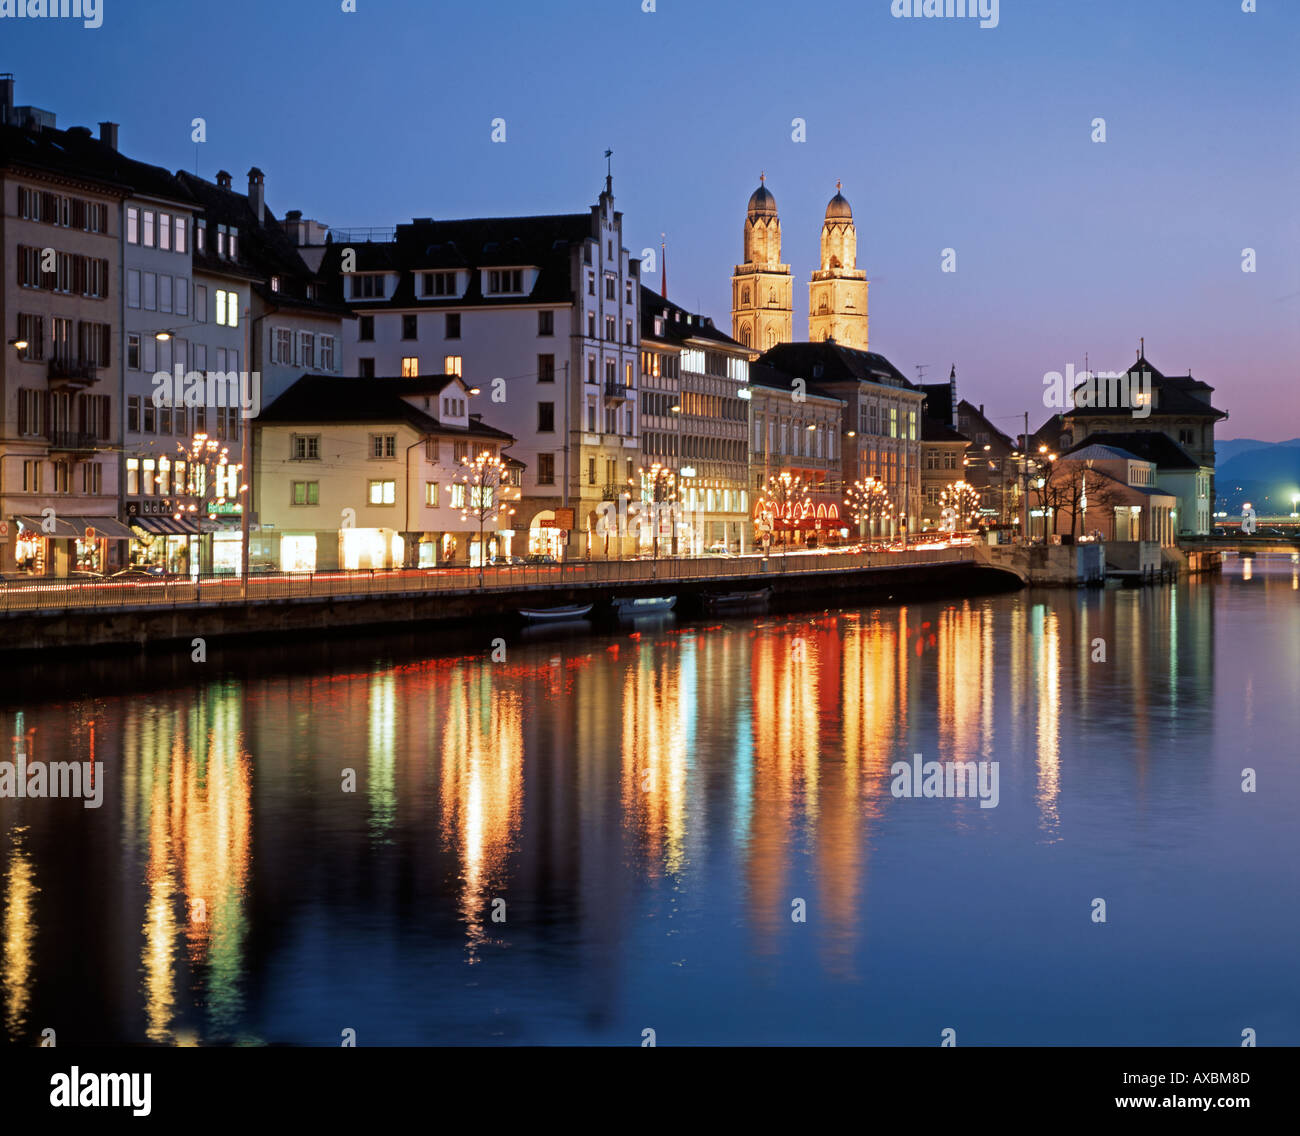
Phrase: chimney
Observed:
(223, 179)
(6, 96)
(293, 225)
(257, 193)
(108, 134)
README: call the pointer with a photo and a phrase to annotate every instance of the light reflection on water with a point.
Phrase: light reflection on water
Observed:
(604, 834)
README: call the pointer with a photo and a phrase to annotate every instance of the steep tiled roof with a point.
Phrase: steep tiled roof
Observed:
(1180, 395)
(265, 250)
(829, 362)
(679, 325)
(543, 242)
(328, 398)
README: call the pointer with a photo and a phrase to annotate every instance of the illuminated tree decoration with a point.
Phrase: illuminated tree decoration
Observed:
(487, 495)
(962, 501)
(868, 501)
(784, 502)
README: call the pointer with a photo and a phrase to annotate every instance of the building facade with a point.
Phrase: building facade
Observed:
(540, 316)
(61, 368)
(694, 418)
(373, 475)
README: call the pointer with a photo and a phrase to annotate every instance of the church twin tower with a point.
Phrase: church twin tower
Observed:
(762, 289)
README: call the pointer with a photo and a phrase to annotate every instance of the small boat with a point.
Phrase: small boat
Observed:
(645, 605)
(721, 602)
(549, 614)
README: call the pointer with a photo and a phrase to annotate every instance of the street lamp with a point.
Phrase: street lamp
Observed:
(18, 344)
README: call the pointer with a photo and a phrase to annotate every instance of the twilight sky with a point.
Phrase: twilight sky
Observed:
(944, 134)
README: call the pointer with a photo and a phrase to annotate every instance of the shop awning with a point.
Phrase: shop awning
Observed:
(106, 528)
(61, 528)
(161, 525)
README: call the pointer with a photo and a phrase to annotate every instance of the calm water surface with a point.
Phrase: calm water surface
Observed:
(645, 808)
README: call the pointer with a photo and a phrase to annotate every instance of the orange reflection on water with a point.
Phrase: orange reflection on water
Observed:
(192, 781)
(654, 717)
(19, 934)
(482, 790)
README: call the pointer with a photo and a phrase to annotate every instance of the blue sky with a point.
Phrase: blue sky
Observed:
(944, 134)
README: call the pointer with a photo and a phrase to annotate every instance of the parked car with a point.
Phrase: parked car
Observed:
(540, 558)
(86, 575)
(718, 548)
(505, 561)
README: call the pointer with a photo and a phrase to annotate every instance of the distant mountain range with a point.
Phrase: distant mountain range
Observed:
(1267, 474)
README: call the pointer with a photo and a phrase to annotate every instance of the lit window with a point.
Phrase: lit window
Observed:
(451, 365)
(383, 492)
(410, 367)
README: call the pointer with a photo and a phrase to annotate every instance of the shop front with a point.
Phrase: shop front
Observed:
(62, 545)
(371, 548)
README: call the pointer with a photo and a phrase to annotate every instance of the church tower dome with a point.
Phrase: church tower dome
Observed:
(762, 289)
(837, 293)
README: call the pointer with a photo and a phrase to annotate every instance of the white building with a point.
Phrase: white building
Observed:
(540, 316)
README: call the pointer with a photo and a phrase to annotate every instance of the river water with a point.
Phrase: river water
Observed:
(680, 828)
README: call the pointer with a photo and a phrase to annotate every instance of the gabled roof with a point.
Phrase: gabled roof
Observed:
(679, 325)
(829, 362)
(1151, 447)
(1180, 395)
(938, 401)
(265, 250)
(1088, 451)
(976, 413)
(329, 398)
(543, 242)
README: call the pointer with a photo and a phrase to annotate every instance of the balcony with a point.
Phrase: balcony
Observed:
(66, 372)
(615, 392)
(73, 442)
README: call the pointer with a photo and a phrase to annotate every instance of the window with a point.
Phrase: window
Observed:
(234, 244)
(307, 349)
(611, 286)
(165, 294)
(431, 494)
(32, 329)
(327, 353)
(305, 492)
(460, 452)
(200, 303)
(591, 325)
(304, 447)
(148, 240)
(182, 296)
(545, 469)
(368, 287)
(275, 283)
(591, 276)
(627, 294)
(282, 345)
(611, 329)
(502, 280)
(546, 323)
(591, 471)
(179, 243)
(382, 493)
(227, 308)
(165, 232)
(628, 333)
(92, 478)
(410, 327)
(366, 328)
(151, 291)
(591, 368)
(545, 417)
(132, 225)
(451, 365)
(133, 351)
(451, 329)
(366, 368)
(546, 368)
(383, 445)
(32, 476)
(458, 496)
(438, 284)
(200, 234)
(410, 366)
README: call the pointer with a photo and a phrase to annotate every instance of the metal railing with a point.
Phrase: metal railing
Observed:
(19, 595)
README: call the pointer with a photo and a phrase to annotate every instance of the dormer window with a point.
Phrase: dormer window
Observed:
(200, 235)
(438, 284)
(234, 244)
(221, 240)
(275, 283)
(368, 287)
(502, 281)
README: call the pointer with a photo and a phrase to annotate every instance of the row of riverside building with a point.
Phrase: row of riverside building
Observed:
(152, 317)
